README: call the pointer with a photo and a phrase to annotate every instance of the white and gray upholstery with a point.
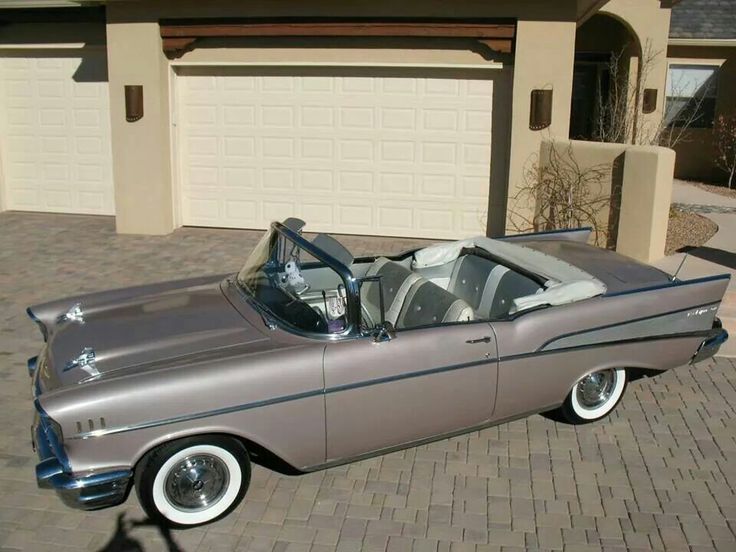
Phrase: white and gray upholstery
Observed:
(488, 287)
(396, 280)
(427, 303)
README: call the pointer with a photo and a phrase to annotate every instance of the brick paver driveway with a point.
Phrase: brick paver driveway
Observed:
(660, 473)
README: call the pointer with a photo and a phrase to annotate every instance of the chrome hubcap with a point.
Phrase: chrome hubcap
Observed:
(197, 482)
(596, 389)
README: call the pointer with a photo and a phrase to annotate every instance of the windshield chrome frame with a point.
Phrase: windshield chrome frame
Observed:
(352, 290)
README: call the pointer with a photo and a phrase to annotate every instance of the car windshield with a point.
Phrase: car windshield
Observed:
(294, 287)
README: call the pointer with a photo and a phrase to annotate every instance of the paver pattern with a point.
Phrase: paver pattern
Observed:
(660, 473)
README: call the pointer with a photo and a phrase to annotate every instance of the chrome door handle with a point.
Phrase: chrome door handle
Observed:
(486, 339)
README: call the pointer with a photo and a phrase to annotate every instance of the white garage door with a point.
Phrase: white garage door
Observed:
(55, 134)
(401, 156)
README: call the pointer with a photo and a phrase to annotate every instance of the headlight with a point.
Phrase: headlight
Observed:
(53, 428)
(32, 365)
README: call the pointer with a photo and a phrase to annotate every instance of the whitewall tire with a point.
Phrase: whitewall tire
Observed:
(193, 481)
(594, 396)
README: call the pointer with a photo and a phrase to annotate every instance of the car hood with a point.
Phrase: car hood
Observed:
(116, 331)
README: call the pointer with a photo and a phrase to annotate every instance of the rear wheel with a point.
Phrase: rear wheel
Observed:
(193, 481)
(594, 396)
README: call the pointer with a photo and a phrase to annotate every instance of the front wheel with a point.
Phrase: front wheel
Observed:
(594, 396)
(193, 481)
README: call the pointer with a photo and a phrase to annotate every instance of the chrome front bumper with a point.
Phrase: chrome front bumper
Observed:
(710, 346)
(88, 492)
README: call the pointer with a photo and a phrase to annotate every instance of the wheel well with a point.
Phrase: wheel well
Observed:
(634, 373)
(258, 454)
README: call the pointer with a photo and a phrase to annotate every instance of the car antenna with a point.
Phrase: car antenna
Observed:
(682, 262)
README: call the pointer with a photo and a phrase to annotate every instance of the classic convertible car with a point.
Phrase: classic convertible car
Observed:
(309, 358)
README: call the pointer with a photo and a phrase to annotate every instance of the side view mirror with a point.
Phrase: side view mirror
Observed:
(384, 331)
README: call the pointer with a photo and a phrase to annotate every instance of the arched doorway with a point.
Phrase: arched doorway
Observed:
(604, 92)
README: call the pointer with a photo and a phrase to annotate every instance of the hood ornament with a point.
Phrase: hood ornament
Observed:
(74, 314)
(85, 361)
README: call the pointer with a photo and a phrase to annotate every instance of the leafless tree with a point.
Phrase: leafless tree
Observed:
(618, 111)
(559, 193)
(725, 142)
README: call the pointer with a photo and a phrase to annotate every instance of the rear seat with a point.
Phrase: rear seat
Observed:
(488, 287)
(409, 299)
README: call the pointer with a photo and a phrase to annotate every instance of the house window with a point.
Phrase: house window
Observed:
(691, 95)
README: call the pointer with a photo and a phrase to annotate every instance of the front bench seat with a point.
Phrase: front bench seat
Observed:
(427, 304)
(396, 281)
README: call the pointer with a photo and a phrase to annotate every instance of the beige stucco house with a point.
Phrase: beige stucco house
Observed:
(415, 118)
(702, 59)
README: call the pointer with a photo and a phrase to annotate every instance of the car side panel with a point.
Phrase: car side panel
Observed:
(422, 383)
(543, 353)
(293, 431)
(542, 381)
(274, 398)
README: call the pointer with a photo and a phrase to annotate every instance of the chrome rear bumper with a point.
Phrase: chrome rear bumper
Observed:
(86, 492)
(711, 344)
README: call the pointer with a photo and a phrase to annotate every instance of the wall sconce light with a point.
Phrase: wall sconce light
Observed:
(133, 102)
(540, 112)
(649, 101)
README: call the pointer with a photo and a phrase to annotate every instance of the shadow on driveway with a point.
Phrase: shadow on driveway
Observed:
(122, 541)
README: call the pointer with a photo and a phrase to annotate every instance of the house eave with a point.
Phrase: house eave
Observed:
(703, 42)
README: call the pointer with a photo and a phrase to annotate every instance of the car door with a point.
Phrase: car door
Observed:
(423, 383)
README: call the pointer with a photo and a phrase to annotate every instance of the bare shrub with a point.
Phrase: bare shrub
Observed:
(619, 111)
(724, 133)
(560, 194)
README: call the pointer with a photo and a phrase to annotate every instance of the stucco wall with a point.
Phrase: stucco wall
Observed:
(545, 55)
(696, 152)
(642, 176)
(145, 189)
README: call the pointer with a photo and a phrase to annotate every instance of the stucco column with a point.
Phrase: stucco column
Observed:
(545, 53)
(645, 202)
(141, 149)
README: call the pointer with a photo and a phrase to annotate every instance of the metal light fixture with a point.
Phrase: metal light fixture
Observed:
(133, 102)
(540, 111)
(649, 100)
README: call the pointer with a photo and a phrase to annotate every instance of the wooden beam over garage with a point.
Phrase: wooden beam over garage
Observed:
(179, 36)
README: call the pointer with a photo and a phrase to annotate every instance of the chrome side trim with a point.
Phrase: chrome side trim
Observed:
(670, 284)
(199, 415)
(281, 399)
(408, 375)
(367, 383)
(546, 345)
(547, 233)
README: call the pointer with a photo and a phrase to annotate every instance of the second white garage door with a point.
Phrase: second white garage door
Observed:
(55, 133)
(358, 153)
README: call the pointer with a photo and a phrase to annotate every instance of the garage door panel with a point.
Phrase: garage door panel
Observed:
(358, 154)
(54, 115)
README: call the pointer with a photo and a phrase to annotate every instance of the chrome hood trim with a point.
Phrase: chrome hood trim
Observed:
(123, 334)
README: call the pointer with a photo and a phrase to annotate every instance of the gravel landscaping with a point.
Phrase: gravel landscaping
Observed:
(720, 190)
(688, 229)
